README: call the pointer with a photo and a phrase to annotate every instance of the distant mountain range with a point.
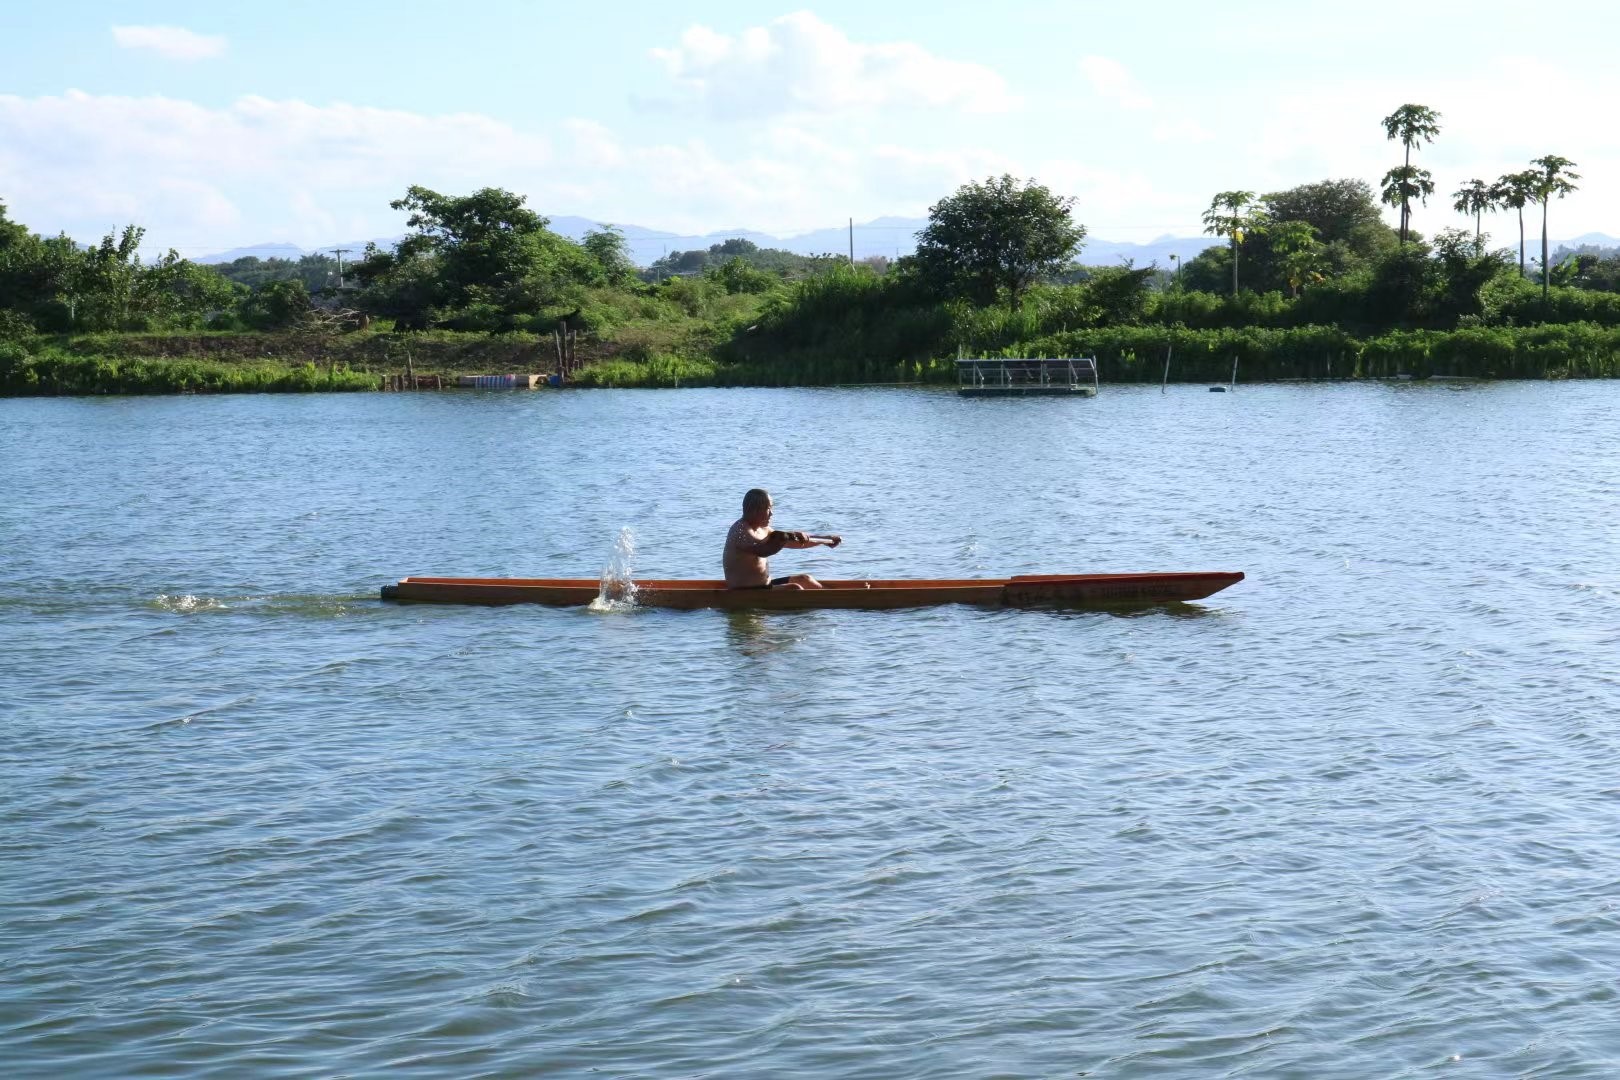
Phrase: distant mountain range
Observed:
(886, 236)
(1587, 240)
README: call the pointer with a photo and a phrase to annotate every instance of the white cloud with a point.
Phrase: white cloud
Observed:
(81, 162)
(205, 178)
(174, 42)
(1110, 79)
(798, 63)
(1181, 131)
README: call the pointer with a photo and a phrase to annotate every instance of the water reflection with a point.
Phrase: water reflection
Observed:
(761, 633)
(1175, 610)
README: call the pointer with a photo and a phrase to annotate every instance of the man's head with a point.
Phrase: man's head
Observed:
(757, 507)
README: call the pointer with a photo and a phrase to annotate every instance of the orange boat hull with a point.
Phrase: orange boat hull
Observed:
(1068, 590)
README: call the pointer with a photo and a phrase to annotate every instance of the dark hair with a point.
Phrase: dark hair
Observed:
(755, 500)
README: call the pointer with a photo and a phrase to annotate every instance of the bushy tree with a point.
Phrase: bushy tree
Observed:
(277, 305)
(783, 264)
(481, 261)
(1118, 295)
(736, 276)
(1466, 266)
(479, 240)
(1298, 254)
(992, 241)
(607, 245)
(1342, 212)
(317, 271)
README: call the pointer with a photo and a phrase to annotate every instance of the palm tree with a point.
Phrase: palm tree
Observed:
(1404, 183)
(1226, 217)
(1552, 180)
(1511, 192)
(1411, 124)
(1474, 198)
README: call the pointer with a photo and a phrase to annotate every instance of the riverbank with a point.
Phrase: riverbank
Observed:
(292, 363)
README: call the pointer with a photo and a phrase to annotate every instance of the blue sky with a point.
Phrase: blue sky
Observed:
(222, 125)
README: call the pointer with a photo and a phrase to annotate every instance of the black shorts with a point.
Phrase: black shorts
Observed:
(773, 583)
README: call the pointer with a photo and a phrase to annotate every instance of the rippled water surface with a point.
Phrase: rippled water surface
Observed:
(1358, 816)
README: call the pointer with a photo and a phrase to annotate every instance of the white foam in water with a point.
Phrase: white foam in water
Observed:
(187, 604)
(618, 589)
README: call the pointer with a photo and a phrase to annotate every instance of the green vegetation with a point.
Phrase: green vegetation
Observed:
(51, 371)
(772, 263)
(1310, 283)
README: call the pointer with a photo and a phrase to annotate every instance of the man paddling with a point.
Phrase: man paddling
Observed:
(751, 541)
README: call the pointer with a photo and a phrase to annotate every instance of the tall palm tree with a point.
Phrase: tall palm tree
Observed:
(1553, 180)
(1411, 124)
(1226, 216)
(1474, 198)
(1404, 183)
(1511, 192)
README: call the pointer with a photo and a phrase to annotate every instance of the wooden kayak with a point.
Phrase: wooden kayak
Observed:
(1068, 590)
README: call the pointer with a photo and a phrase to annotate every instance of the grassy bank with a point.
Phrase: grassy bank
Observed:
(53, 372)
(259, 363)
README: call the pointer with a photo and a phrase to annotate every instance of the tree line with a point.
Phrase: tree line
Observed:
(1316, 254)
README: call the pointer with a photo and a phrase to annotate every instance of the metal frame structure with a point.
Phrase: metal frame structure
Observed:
(998, 377)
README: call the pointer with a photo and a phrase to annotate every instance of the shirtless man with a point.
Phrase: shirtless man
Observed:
(751, 541)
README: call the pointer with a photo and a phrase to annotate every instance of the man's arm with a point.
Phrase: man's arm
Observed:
(800, 540)
(770, 545)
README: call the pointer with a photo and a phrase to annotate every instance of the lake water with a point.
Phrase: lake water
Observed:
(1357, 816)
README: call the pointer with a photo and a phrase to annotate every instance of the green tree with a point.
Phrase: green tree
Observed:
(1402, 184)
(1118, 295)
(1411, 124)
(611, 250)
(405, 287)
(278, 305)
(179, 293)
(997, 239)
(107, 277)
(1466, 267)
(1229, 215)
(735, 275)
(1298, 253)
(1341, 212)
(479, 240)
(1554, 178)
(21, 253)
(737, 245)
(1512, 192)
(1473, 199)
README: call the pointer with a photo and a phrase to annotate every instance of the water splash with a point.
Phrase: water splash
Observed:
(187, 604)
(618, 588)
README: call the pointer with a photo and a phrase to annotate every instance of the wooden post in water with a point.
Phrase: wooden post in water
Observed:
(1234, 372)
(1168, 349)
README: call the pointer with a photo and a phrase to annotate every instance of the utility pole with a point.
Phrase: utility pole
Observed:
(340, 252)
(852, 241)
